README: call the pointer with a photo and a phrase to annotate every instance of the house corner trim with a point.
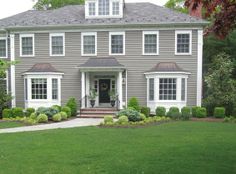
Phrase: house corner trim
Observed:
(199, 67)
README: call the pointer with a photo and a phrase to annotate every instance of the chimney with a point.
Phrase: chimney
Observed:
(195, 9)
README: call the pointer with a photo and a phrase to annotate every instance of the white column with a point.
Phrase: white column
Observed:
(119, 87)
(87, 87)
(82, 89)
(13, 78)
(126, 88)
(178, 89)
(199, 67)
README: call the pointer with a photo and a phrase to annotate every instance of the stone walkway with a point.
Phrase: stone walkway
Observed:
(78, 122)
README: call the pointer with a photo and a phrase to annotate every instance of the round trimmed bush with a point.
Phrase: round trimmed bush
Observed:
(29, 111)
(174, 113)
(63, 116)
(33, 116)
(219, 112)
(133, 102)
(57, 107)
(194, 111)
(145, 110)
(108, 119)
(201, 112)
(7, 113)
(17, 112)
(72, 104)
(42, 118)
(143, 117)
(186, 113)
(123, 120)
(160, 111)
(56, 117)
(131, 114)
(67, 110)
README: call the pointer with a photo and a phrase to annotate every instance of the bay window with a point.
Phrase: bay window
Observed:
(167, 89)
(151, 89)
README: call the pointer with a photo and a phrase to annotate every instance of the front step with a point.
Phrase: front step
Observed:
(97, 112)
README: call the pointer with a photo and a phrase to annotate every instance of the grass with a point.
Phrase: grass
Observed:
(171, 148)
(10, 124)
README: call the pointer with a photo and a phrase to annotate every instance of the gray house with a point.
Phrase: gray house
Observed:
(135, 49)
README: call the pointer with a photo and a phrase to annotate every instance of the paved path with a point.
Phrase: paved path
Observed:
(78, 122)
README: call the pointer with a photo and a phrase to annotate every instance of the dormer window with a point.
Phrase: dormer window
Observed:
(103, 9)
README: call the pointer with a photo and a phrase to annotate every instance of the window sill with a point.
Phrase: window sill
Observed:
(183, 54)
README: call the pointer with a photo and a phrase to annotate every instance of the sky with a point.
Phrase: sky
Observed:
(12, 7)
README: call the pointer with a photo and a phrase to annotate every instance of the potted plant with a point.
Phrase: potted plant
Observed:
(113, 97)
(92, 96)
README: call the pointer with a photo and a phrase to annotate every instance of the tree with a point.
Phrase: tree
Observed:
(177, 5)
(54, 4)
(221, 89)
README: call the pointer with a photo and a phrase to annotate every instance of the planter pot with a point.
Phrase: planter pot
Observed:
(113, 102)
(92, 103)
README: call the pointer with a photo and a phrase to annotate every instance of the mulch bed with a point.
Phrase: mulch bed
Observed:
(208, 119)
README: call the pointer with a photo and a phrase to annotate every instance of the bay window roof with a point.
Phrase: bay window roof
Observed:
(42, 68)
(166, 67)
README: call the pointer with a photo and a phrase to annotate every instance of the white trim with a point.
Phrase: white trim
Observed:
(50, 44)
(190, 41)
(33, 44)
(43, 73)
(126, 88)
(177, 72)
(157, 42)
(116, 33)
(82, 43)
(5, 38)
(119, 88)
(13, 75)
(83, 89)
(199, 67)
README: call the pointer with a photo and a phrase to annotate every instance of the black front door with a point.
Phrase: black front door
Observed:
(104, 88)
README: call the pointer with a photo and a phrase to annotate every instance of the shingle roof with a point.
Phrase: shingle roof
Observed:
(42, 67)
(166, 67)
(73, 15)
(102, 62)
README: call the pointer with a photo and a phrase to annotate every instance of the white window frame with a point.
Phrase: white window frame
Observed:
(82, 43)
(50, 44)
(33, 44)
(96, 10)
(5, 38)
(190, 41)
(35, 103)
(147, 33)
(111, 6)
(110, 49)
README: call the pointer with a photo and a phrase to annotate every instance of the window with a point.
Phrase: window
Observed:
(3, 47)
(183, 89)
(92, 8)
(57, 44)
(55, 89)
(116, 8)
(117, 43)
(151, 89)
(27, 45)
(39, 89)
(183, 41)
(167, 89)
(113, 85)
(89, 44)
(96, 85)
(150, 42)
(26, 89)
(103, 7)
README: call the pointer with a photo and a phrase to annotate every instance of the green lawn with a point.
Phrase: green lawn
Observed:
(7, 124)
(171, 148)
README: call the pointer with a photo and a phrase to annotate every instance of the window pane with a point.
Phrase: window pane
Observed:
(183, 43)
(117, 44)
(57, 45)
(89, 44)
(103, 7)
(150, 43)
(115, 8)
(39, 88)
(27, 46)
(151, 89)
(3, 47)
(183, 83)
(92, 9)
(167, 89)
(54, 89)
(26, 89)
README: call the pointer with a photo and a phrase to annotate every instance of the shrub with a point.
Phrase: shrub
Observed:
(72, 104)
(186, 113)
(56, 117)
(47, 111)
(131, 114)
(17, 112)
(219, 112)
(57, 107)
(29, 111)
(133, 102)
(7, 113)
(201, 112)
(194, 111)
(143, 117)
(42, 118)
(160, 111)
(67, 110)
(145, 111)
(174, 113)
(123, 120)
(63, 115)
(33, 116)
(108, 119)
